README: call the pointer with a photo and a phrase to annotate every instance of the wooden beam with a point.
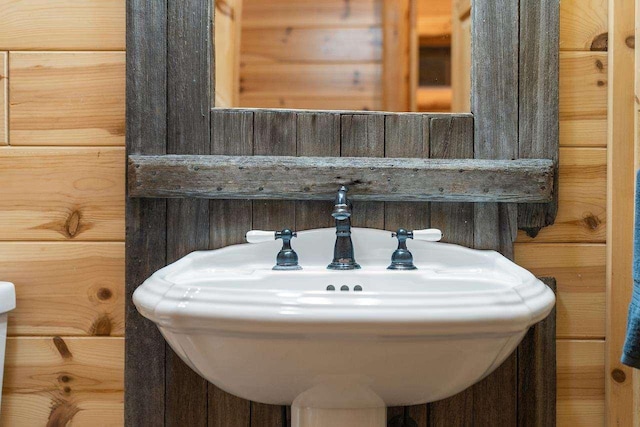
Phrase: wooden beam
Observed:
(620, 210)
(316, 178)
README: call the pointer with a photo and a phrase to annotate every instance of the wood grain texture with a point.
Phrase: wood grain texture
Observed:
(65, 288)
(318, 134)
(365, 102)
(583, 132)
(328, 45)
(4, 98)
(275, 133)
(62, 381)
(189, 99)
(227, 32)
(79, 193)
(146, 238)
(537, 372)
(494, 93)
(229, 220)
(310, 13)
(581, 391)
(583, 25)
(399, 62)
(340, 80)
(453, 138)
(582, 213)
(316, 178)
(538, 123)
(67, 98)
(62, 25)
(622, 395)
(363, 135)
(579, 270)
(583, 85)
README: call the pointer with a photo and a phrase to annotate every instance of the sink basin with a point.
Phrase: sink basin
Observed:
(390, 338)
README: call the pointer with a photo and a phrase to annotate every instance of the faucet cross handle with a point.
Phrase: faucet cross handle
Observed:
(402, 258)
(287, 258)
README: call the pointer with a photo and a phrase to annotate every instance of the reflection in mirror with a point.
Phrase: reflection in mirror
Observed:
(390, 55)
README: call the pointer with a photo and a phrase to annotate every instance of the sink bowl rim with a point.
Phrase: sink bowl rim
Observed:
(184, 307)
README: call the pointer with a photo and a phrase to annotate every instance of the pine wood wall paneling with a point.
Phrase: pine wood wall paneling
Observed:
(583, 25)
(582, 212)
(58, 381)
(62, 25)
(66, 98)
(620, 393)
(581, 377)
(333, 46)
(65, 288)
(579, 269)
(295, 44)
(62, 193)
(311, 13)
(4, 98)
(304, 81)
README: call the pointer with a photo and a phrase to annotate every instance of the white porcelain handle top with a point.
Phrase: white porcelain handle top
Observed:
(429, 235)
(260, 236)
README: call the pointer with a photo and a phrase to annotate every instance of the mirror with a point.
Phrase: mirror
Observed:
(389, 55)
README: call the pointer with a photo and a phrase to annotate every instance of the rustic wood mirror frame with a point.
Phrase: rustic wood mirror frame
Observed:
(169, 99)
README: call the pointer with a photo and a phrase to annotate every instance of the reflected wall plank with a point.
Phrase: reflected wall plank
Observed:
(344, 80)
(62, 193)
(579, 270)
(582, 206)
(311, 13)
(357, 103)
(65, 288)
(62, 25)
(70, 98)
(312, 45)
(583, 24)
(71, 381)
(580, 383)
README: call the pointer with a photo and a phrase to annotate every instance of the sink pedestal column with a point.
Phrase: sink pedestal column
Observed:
(338, 405)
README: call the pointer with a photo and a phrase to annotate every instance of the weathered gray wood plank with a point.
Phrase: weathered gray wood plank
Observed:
(405, 136)
(188, 104)
(229, 220)
(494, 104)
(145, 234)
(537, 372)
(319, 136)
(316, 178)
(275, 135)
(452, 138)
(362, 136)
(539, 98)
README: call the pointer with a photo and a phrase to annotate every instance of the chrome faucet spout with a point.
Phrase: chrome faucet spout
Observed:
(343, 257)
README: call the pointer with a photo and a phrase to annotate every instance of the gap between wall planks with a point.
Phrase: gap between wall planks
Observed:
(144, 234)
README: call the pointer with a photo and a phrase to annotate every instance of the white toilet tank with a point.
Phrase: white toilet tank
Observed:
(7, 303)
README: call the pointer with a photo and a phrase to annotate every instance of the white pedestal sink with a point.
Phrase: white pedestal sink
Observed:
(340, 357)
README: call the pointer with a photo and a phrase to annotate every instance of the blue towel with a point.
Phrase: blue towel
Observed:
(631, 351)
